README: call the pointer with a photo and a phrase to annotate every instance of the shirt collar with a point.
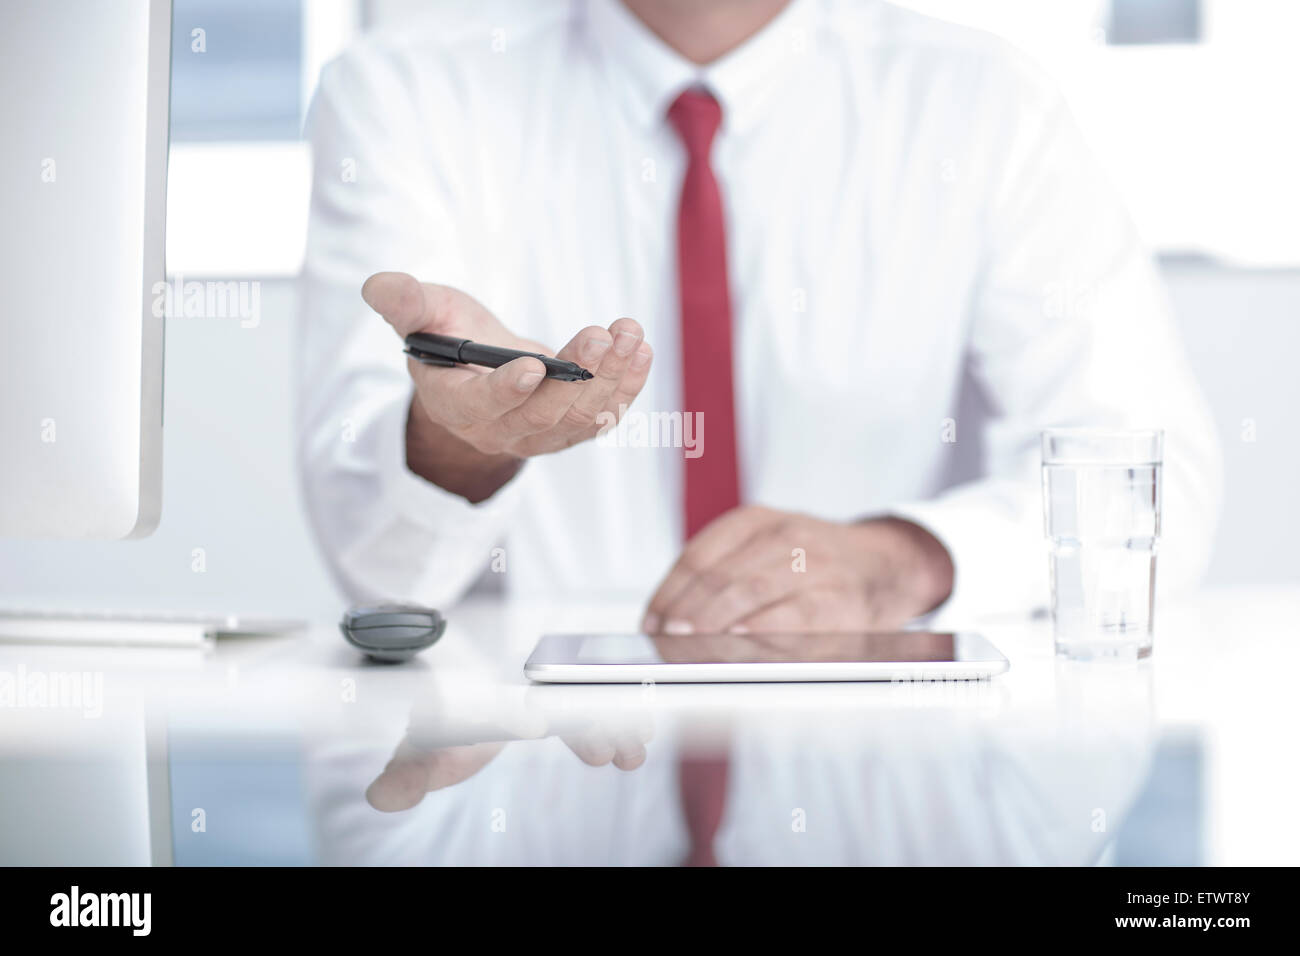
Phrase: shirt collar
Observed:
(648, 74)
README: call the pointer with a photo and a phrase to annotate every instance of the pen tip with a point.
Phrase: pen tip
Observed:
(586, 375)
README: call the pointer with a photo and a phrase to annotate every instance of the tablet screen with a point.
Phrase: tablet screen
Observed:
(876, 647)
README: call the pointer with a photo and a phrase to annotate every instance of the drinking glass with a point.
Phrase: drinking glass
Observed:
(1101, 511)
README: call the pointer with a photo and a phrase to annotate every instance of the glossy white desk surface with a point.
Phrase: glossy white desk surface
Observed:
(1040, 765)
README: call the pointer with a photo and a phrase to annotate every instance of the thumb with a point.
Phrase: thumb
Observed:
(399, 298)
(411, 306)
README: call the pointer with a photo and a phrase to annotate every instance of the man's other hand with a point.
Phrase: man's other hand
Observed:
(756, 569)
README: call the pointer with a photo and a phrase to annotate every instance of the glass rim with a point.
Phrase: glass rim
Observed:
(1100, 445)
(1097, 431)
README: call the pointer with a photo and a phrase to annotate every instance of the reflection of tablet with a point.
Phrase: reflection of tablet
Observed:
(634, 658)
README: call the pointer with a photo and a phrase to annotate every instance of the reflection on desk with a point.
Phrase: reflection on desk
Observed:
(918, 774)
(274, 751)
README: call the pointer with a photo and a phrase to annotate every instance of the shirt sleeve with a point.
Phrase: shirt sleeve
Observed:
(1070, 328)
(384, 197)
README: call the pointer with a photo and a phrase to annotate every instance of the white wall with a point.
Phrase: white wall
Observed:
(229, 485)
(1242, 329)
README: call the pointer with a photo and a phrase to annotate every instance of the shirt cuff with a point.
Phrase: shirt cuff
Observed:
(428, 544)
(997, 549)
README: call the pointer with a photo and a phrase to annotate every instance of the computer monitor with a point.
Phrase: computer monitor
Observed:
(83, 178)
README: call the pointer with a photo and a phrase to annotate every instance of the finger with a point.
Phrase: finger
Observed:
(435, 387)
(546, 407)
(412, 773)
(629, 386)
(715, 611)
(634, 379)
(595, 750)
(629, 753)
(717, 539)
(753, 558)
(594, 396)
(477, 399)
(787, 616)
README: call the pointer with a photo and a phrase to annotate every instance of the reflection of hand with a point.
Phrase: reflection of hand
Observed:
(756, 569)
(624, 747)
(441, 750)
(414, 772)
(828, 646)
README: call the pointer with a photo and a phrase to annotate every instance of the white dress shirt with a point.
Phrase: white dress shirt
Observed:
(911, 216)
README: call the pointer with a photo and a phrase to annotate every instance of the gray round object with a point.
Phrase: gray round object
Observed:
(392, 632)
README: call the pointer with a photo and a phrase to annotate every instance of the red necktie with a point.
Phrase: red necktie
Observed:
(712, 485)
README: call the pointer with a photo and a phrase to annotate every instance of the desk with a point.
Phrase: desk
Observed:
(1053, 762)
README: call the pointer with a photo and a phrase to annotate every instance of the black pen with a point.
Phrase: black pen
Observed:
(447, 351)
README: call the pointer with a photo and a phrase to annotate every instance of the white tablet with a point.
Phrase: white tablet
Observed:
(708, 658)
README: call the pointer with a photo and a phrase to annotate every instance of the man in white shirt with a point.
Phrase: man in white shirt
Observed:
(906, 209)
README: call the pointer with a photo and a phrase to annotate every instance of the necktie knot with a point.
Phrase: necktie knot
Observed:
(696, 116)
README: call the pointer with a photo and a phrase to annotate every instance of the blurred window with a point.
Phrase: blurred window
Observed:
(237, 69)
(1154, 21)
(239, 177)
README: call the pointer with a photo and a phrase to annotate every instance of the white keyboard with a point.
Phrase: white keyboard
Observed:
(147, 628)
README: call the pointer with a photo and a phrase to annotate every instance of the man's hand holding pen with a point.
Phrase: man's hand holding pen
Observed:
(470, 428)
